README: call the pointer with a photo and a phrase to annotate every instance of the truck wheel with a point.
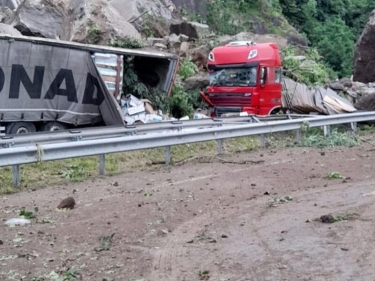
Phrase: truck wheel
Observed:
(17, 128)
(277, 111)
(53, 126)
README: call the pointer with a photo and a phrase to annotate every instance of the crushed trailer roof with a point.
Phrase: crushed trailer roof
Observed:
(144, 52)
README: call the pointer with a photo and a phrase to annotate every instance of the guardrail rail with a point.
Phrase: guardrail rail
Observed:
(100, 144)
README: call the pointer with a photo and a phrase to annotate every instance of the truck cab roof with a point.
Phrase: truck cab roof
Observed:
(245, 52)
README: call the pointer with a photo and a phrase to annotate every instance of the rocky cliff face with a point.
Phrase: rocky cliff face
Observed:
(364, 56)
(91, 21)
(194, 6)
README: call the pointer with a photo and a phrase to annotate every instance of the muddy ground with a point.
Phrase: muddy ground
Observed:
(217, 220)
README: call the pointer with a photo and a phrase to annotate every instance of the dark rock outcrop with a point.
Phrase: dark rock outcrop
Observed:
(184, 28)
(364, 55)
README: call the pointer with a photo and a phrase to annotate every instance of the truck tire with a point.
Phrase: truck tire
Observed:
(17, 128)
(52, 126)
(277, 111)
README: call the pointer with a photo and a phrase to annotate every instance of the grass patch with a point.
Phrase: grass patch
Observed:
(42, 174)
(314, 137)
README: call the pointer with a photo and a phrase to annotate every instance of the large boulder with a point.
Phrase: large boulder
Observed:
(192, 30)
(366, 102)
(12, 4)
(9, 30)
(364, 55)
(6, 14)
(197, 82)
(88, 21)
(37, 18)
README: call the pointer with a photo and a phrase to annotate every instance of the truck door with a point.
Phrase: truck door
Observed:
(270, 89)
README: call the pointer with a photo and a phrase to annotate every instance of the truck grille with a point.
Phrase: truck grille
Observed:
(220, 110)
(230, 99)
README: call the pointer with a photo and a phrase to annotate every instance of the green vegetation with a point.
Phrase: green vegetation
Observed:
(187, 69)
(334, 175)
(314, 137)
(308, 68)
(233, 16)
(93, 33)
(331, 26)
(129, 43)
(179, 104)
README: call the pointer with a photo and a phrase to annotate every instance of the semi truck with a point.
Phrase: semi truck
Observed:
(48, 85)
(244, 77)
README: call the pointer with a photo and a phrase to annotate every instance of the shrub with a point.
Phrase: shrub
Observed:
(187, 69)
(129, 43)
(180, 104)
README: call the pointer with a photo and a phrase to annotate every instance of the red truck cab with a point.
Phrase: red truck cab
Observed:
(244, 77)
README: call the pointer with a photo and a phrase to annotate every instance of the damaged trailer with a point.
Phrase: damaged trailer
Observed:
(48, 85)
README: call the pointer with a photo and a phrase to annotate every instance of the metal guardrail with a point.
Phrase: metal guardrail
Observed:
(31, 153)
(117, 131)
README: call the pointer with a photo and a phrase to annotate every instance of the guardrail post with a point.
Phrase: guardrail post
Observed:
(102, 164)
(353, 125)
(298, 136)
(219, 147)
(327, 130)
(262, 140)
(16, 175)
(167, 155)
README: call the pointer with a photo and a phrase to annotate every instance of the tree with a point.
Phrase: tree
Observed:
(335, 43)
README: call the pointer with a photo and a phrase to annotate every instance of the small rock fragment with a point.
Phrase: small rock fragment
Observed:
(67, 203)
(327, 219)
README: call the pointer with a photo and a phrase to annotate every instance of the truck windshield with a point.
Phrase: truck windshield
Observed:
(234, 77)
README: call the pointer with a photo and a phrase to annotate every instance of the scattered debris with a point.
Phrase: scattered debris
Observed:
(204, 274)
(327, 219)
(246, 162)
(304, 100)
(17, 221)
(105, 243)
(338, 218)
(67, 203)
(141, 110)
(334, 175)
(27, 214)
(282, 199)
